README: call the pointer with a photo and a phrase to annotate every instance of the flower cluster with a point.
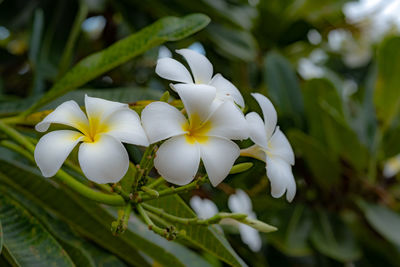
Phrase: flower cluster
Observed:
(202, 132)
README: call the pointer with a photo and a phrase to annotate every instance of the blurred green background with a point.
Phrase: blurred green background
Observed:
(331, 68)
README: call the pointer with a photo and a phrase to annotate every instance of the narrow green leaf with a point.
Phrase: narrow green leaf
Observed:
(283, 87)
(165, 29)
(66, 57)
(206, 238)
(333, 238)
(387, 93)
(27, 239)
(383, 220)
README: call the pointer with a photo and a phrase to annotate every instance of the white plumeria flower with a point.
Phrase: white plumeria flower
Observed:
(241, 203)
(272, 147)
(204, 208)
(202, 71)
(392, 166)
(102, 156)
(206, 135)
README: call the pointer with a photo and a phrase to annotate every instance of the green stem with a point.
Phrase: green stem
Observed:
(16, 136)
(143, 167)
(213, 220)
(149, 222)
(120, 226)
(13, 120)
(73, 36)
(171, 190)
(65, 178)
(156, 183)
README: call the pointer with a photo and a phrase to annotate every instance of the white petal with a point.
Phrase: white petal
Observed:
(226, 90)
(125, 126)
(269, 113)
(204, 208)
(201, 67)
(255, 151)
(53, 148)
(240, 202)
(68, 113)
(173, 70)
(257, 129)
(291, 189)
(228, 121)
(98, 109)
(161, 121)
(279, 173)
(251, 237)
(177, 160)
(280, 146)
(197, 99)
(218, 156)
(104, 161)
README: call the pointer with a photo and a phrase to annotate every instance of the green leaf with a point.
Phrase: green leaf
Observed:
(333, 238)
(61, 231)
(383, 220)
(90, 220)
(165, 29)
(294, 226)
(317, 158)
(27, 240)
(283, 86)
(328, 124)
(121, 94)
(206, 238)
(387, 93)
(234, 43)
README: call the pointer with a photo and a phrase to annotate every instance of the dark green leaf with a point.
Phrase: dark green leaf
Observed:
(283, 87)
(165, 29)
(383, 220)
(27, 240)
(387, 93)
(317, 158)
(234, 43)
(333, 238)
(294, 229)
(206, 238)
(1, 237)
(90, 220)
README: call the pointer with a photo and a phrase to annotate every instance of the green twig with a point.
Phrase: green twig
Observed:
(213, 220)
(156, 183)
(149, 222)
(171, 190)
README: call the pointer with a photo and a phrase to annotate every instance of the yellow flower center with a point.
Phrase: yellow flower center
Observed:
(93, 130)
(197, 131)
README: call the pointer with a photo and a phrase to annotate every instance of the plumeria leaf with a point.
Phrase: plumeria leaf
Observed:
(165, 29)
(387, 93)
(317, 159)
(383, 220)
(73, 245)
(294, 224)
(28, 240)
(333, 238)
(207, 238)
(283, 87)
(122, 94)
(91, 220)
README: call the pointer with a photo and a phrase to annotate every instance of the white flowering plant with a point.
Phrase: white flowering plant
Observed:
(190, 143)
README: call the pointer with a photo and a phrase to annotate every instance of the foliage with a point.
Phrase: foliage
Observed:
(345, 210)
